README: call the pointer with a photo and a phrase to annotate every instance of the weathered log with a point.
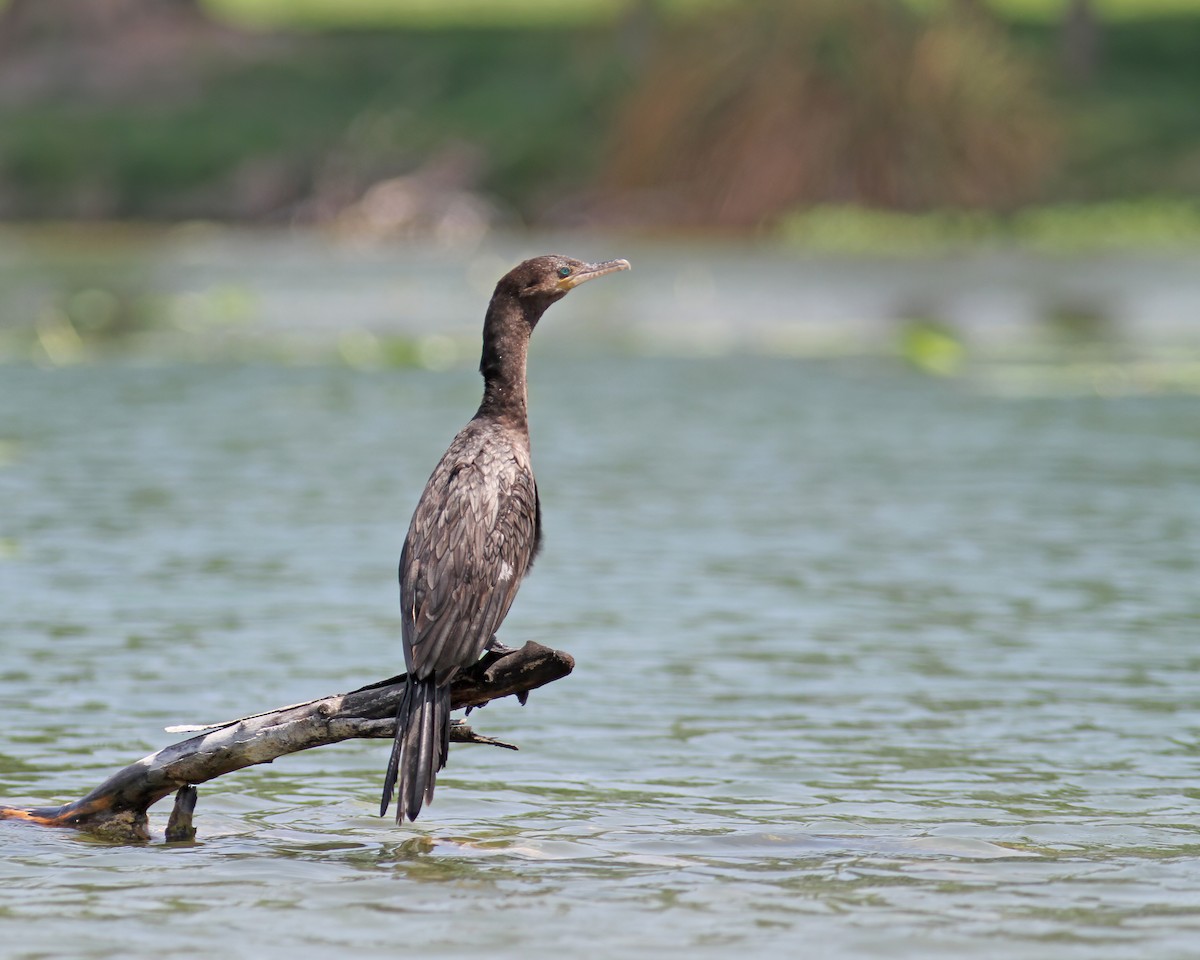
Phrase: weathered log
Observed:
(118, 807)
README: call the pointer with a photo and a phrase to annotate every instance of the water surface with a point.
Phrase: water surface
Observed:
(869, 664)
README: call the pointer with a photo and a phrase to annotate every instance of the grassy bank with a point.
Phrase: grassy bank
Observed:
(525, 13)
(1128, 226)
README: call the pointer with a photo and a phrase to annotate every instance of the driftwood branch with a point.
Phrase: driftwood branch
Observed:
(118, 807)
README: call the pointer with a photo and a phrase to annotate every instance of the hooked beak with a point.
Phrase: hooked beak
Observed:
(591, 271)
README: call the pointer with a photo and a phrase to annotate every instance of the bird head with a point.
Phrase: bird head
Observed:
(544, 280)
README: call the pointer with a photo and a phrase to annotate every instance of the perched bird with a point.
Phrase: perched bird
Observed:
(475, 532)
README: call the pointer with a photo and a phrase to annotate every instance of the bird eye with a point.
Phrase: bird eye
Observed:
(564, 272)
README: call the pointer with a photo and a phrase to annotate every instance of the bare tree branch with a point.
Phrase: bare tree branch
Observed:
(117, 808)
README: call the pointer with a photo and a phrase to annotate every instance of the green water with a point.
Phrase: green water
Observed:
(869, 665)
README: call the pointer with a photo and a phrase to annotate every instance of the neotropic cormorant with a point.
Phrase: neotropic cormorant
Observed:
(475, 532)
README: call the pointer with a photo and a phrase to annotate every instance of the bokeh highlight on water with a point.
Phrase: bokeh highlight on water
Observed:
(869, 663)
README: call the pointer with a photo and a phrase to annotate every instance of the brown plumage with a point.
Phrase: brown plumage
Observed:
(475, 532)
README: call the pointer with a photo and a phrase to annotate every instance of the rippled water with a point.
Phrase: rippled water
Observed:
(868, 665)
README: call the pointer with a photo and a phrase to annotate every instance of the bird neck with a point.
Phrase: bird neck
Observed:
(506, 331)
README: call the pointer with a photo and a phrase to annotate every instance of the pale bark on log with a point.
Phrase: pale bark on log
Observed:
(118, 807)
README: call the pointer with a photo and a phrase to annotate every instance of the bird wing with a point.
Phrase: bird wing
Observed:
(468, 547)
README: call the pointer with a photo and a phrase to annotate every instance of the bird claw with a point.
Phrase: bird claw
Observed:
(499, 649)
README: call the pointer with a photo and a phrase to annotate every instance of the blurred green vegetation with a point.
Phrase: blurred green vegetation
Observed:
(539, 91)
(356, 107)
(749, 111)
(1134, 128)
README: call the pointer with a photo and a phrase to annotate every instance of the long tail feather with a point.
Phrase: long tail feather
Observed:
(420, 748)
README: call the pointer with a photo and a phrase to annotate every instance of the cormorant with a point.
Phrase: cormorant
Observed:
(475, 532)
